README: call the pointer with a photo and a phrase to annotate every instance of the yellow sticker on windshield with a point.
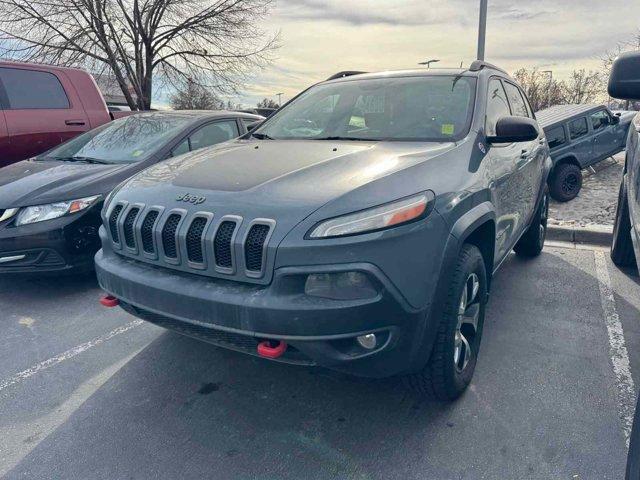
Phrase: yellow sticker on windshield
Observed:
(137, 153)
(448, 129)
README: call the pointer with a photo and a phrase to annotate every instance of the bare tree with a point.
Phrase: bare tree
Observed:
(543, 91)
(267, 103)
(195, 97)
(215, 43)
(583, 87)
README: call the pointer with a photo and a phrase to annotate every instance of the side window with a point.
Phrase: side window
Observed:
(600, 119)
(214, 133)
(578, 128)
(183, 147)
(497, 106)
(518, 106)
(556, 136)
(30, 89)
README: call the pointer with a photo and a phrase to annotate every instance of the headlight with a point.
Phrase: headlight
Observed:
(39, 213)
(377, 218)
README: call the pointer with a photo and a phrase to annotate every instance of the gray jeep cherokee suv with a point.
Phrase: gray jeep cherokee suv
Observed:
(358, 228)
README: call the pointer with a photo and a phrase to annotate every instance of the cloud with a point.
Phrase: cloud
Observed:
(370, 12)
(321, 37)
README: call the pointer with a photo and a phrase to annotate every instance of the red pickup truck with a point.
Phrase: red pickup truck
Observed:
(42, 106)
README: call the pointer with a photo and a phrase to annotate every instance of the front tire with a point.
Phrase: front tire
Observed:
(450, 368)
(532, 242)
(565, 182)
(622, 253)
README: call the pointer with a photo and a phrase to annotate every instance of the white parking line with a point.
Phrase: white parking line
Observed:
(617, 346)
(72, 352)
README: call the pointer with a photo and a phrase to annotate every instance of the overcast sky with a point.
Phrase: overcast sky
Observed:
(321, 37)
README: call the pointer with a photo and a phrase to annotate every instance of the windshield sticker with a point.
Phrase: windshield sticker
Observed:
(448, 129)
(137, 153)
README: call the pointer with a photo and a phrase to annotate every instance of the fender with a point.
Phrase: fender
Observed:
(462, 228)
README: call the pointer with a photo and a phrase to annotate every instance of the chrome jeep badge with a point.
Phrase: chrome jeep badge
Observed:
(188, 198)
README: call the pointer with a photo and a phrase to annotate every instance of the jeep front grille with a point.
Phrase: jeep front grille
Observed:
(113, 223)
(146, 231)
(169, 235)
(194, 240)
(129, 236)
(224, 246)
(253, 246)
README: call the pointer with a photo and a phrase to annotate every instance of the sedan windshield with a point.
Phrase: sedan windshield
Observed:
(127, 140)
(434, 108)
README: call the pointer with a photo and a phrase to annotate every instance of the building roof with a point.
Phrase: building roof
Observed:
(560, 113)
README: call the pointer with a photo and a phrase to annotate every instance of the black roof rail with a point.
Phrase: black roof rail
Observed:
(346, 73)
(478, 65)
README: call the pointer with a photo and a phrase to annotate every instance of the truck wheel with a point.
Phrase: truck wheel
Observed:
(622, 246)
(455, 351)
(565, 182)
(532, 242)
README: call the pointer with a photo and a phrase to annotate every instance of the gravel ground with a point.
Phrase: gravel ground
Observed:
(596, 202)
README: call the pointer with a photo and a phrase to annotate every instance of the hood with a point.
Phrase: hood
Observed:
(36, 182)
(269, 176)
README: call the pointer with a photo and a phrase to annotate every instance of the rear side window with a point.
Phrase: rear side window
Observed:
(518, 106)
(578, 128)
(214, 133)
(556, 136)
(30, 89)
(600, 120)
(497, 106)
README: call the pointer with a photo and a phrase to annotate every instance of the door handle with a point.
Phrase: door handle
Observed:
(74, 122)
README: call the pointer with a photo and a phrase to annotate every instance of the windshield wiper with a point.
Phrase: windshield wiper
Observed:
(261, 136)
(83, 159)
(358, 139)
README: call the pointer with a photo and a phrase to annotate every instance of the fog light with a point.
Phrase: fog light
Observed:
(367, 341)
(340, 286)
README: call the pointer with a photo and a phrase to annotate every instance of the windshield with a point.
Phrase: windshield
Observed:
(435, 108)
(127, 140)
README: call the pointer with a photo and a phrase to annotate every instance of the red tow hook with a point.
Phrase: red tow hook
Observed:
(109, 301)
(268, 350)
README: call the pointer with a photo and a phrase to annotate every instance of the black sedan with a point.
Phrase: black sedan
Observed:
(50, 205)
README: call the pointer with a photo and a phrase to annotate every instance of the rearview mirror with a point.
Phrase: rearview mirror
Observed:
(515, 129)
(624, 81)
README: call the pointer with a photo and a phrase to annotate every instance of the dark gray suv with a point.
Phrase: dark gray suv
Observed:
(358, 228)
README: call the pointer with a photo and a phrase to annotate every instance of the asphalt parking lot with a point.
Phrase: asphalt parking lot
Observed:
(88, 392)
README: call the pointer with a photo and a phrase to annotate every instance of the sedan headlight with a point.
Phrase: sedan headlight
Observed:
(378, 218)
(39, 213)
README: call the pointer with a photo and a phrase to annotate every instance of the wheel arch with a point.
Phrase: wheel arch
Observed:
(567, 159)
(478, 227)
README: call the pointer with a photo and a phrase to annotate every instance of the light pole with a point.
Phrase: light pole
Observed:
(429, 62)
(550, 73)
(279, 95)
(482, 29)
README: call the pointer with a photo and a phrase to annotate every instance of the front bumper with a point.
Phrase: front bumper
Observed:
(238, 315)
(67, 244)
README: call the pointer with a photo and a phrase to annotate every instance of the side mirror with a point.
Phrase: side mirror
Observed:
(624, 81)
(615, 120)
(252, 126)
(515, 129)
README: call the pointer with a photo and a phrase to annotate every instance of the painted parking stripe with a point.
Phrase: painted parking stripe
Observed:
(617, 347)
(72, 352)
